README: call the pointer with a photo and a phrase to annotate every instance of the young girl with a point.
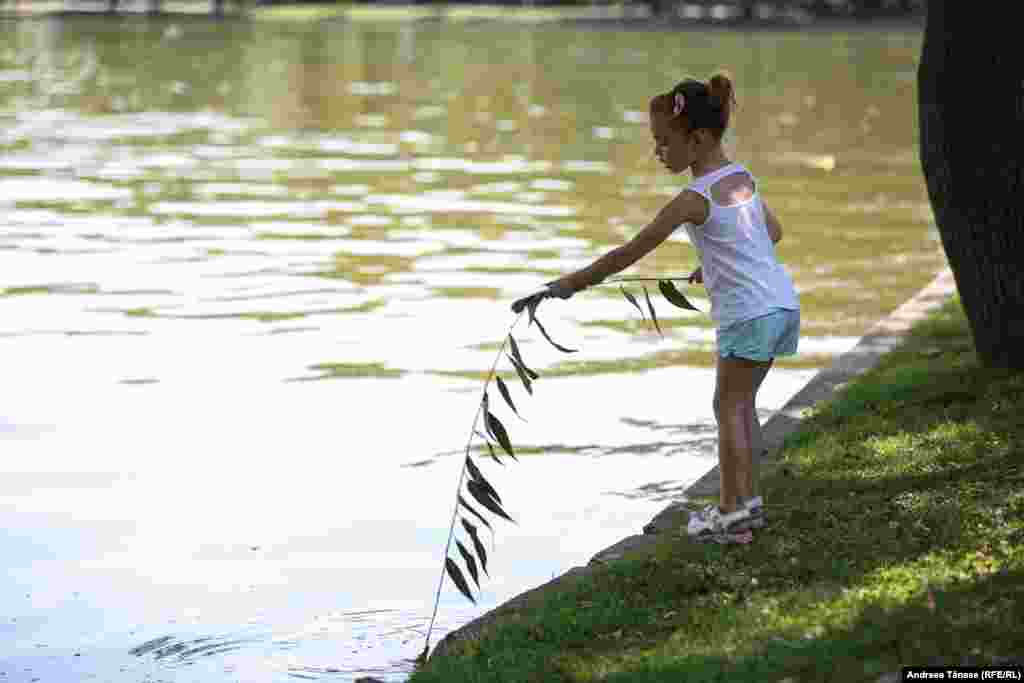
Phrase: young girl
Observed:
(753, 301)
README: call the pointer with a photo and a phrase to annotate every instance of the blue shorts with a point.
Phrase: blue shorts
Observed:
(763, 338)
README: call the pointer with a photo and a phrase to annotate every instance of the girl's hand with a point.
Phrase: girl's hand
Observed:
(555, 288)
(697, 276)
(560, 288)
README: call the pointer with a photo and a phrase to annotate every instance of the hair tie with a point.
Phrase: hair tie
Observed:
(680, 103)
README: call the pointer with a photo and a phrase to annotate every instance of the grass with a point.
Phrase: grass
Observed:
(895, 538)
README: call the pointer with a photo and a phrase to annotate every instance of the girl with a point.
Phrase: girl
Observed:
(753, 301)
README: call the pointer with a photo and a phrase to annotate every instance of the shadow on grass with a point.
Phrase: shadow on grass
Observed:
(951, 628)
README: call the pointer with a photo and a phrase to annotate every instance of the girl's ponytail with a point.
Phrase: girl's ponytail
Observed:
(721, 93)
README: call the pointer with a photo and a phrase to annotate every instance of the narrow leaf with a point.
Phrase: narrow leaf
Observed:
(480, 495)
(463, 503)
(470, 561)
(519, 358)
(476, 475)
(518, 304)
(480, 550)
(650, 307)
(553, 342)
(507, 396)
(490, 448)
(523, 377)
(487, 411)
(458, 578)
(674, 296)
(532, 309)
(632, 299)
(498, 430)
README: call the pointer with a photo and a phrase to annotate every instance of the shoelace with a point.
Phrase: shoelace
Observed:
(706, 512)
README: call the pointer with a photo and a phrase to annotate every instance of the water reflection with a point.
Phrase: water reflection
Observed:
(251, 275)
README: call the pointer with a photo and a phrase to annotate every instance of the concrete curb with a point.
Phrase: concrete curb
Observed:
(886, 335)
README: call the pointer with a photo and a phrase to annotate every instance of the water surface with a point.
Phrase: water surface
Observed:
(252, 274)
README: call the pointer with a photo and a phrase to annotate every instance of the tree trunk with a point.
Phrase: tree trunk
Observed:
(971, 107)
(658, 7)
(748, 12)
(867, 9)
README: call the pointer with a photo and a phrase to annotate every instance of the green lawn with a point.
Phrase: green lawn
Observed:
(895, 537)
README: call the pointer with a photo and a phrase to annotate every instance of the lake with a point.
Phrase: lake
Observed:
(253, 274)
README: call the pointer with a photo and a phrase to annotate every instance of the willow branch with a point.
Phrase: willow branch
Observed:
(645, 279)
(462, 476)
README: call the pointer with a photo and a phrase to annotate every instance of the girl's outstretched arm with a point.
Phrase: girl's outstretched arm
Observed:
(687, 207)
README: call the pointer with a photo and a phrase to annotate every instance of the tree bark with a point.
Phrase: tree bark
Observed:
(749, 11)
(866, 9)
(971, 109)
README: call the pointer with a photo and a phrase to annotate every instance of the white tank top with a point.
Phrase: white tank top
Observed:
(741, 273)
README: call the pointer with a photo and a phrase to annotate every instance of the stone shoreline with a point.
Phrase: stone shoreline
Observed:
(883, 337)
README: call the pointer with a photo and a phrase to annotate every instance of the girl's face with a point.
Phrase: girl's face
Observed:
(674, 148)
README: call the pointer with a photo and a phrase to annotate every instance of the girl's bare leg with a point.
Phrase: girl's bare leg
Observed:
(754, 431)
(736, 384)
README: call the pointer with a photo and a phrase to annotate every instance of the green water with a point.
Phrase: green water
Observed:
(471, 135)
(251, 274)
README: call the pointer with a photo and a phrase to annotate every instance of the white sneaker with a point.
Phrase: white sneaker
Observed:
(755, 506)
(711, 522)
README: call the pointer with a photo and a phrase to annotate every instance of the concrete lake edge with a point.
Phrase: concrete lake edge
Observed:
(884, 336)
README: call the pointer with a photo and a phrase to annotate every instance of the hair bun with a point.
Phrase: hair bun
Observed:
(720, 89)
(721, 94)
